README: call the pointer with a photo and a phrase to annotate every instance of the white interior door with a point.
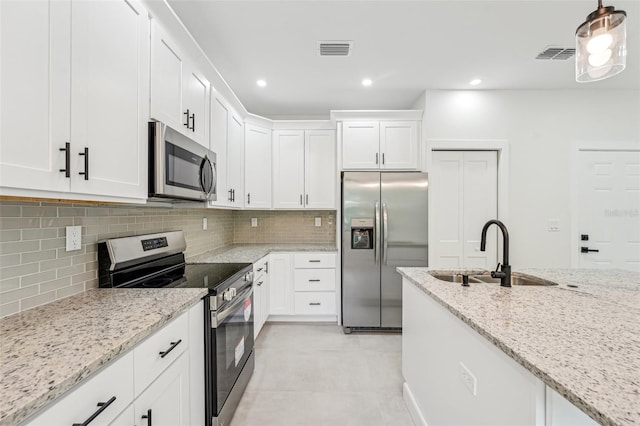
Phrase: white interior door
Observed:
(609, 209)
(464, 196)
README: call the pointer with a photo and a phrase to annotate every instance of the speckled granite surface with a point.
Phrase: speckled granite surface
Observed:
(253, 252)
(47, 350)
(582, 337)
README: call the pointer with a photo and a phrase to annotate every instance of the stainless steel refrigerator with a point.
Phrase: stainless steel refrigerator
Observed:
(384, 226)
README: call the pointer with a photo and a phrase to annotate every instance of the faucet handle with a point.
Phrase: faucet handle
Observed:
(498, 267)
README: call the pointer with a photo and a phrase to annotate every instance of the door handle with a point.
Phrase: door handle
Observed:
(588, 250)
(67, 159)
(85, 153)
(102, 406)
(376, 158)
(376, 231)
(249, 198)
(187, 115)
(385, 233)
(193, 122)
(300, 199)
(148, 417)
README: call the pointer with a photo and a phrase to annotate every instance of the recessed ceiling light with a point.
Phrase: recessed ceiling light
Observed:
(475, 82)
(261, 83)
(367, 82)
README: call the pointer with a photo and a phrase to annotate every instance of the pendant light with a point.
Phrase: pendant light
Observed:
(601, 44)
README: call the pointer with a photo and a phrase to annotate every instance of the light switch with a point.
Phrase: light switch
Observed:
(318, 221)
(254, 222)
(74, 238)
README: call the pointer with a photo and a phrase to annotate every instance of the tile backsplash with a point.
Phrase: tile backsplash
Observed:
(36, 269)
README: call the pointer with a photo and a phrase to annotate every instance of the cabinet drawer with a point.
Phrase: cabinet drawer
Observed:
(315, 279)
(148, 357)
(115, 380)
(315, 303)
(315, 260)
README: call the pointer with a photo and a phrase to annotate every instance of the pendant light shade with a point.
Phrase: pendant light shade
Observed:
(601, 44)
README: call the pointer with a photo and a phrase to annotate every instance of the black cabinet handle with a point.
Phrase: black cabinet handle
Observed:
(249, 198)
(314, 303)
(376, 158)
(86, 163)
(307, 199)
(260, 283)
(588, 250)
(300, 199)
(229, 195)
(67, 159)
(314, 281)
(259, 269)
(103, 406)
(187, 115)
(266, 267)
(193, 122)
(383, 158)
(173, 346)
(148, 417)
(314, 261)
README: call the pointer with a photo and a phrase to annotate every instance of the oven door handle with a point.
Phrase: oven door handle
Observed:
(218, 317)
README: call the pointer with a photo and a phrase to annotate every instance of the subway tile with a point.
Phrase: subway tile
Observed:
(85, 258)
(10, 211)
(21, 293)
(55, 264)
(97, 211)
(86, 276)
(70, 270)
(10, 235)
(18, 270)
(41, 299)
(69, 291)
(62, 252)
(39, 212)
(37, 256)
(72, 211)
(9, 309)
(9, 260)
(20, 223)
(28, 280)
(56, 222)
(9, 284)
(39, 233)
(17, 203)
(55, 284)
(52, 243)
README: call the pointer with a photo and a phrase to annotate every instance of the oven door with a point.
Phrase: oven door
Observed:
(232, 343)
(179, 167)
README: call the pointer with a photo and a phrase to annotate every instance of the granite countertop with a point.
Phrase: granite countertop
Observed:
(251, 253)
(581, 337)
(47, 350)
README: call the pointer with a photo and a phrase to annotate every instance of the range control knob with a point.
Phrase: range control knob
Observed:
(227, 295)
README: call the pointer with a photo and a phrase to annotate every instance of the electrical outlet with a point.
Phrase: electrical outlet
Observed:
(74, 238)
(553, 225)
(318, 221)
(254, 222)
(468, 379)
(204, 223)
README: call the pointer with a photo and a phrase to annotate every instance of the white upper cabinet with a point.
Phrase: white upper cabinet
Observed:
(387, 145)
(81, 125)
(288, 169)
(227, 141)
(179, 93)
(304, 169)
(35, 94)
(257, 167)
(320, 169)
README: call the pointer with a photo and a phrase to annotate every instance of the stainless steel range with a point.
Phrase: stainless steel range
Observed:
(157, 261)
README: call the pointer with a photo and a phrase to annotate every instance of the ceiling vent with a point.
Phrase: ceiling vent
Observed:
(335, 48)
(557, 53)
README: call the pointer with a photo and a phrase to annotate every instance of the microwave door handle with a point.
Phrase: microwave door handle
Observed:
(376, 231)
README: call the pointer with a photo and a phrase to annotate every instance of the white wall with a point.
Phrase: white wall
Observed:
(542, 129)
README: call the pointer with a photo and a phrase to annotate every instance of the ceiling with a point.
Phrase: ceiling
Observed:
(404, 47)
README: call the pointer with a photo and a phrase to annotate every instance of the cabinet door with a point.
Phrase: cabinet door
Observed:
(167, 62)
(280, 282)
(266, 300)
(288, 169)
(235, 160)
(320, 169)
(109, 98)
(196, 102)
(34, 99)
(257, 166)
(258, 297)
(219, 135)
(166, 401)
(360, 145)
(399, 141)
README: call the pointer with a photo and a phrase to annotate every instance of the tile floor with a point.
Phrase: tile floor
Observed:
(311, 375)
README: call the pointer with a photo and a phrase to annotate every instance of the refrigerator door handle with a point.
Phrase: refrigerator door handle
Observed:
(385, 233)
(376, 231)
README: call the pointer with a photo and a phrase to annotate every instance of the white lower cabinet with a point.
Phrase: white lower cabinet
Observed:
(166, 400)
(281, 291)
(150, 380)
(260, 294)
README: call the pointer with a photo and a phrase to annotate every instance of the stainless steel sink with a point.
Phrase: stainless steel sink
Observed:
(516, 279)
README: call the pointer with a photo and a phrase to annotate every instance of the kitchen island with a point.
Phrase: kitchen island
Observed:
(48, 350)
(580, 339)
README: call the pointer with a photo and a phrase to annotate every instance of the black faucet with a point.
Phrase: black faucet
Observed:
(505, 270)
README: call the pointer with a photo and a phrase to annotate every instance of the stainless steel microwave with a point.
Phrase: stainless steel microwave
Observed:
(179, 168)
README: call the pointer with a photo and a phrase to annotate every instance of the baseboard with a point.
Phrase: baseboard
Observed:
(412, 406)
